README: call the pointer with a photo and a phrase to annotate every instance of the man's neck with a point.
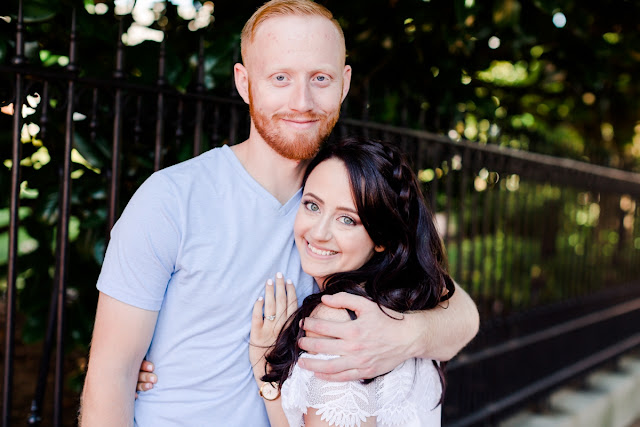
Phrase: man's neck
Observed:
(279, 176)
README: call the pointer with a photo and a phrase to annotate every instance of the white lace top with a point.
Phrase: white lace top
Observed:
(408, 396)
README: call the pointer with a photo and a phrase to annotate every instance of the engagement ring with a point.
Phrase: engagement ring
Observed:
(270, 317)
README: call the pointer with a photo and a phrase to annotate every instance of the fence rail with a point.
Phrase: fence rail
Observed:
(549, 248)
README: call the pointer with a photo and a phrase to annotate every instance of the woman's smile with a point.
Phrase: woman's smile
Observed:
(328, 231)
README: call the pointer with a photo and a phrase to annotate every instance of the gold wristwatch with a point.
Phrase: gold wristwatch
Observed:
(269, 391)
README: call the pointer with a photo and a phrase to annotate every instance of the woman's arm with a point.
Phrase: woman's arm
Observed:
(278, 304)
(375, 343)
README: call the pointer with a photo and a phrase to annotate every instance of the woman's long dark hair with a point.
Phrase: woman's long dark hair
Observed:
(409, 274)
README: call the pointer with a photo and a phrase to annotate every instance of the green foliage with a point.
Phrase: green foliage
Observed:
(492, 72)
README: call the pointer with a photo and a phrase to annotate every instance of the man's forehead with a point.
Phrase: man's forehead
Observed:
(293, 28)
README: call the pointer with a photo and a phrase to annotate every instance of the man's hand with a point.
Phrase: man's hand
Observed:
(375, 343)
(371, 345)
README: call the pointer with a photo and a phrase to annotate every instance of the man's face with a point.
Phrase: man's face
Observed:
(296, 83)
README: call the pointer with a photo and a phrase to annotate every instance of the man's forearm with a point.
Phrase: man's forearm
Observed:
(121, 337)
(107, 400)
(441, 333)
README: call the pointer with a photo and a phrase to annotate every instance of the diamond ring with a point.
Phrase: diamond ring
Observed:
(272, 318)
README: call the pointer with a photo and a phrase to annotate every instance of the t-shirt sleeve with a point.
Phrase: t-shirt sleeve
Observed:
(141, 255)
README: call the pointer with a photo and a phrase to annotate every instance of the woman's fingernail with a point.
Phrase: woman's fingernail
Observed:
(279, 275)
(289, 282)
(270, 282)
(260, 298)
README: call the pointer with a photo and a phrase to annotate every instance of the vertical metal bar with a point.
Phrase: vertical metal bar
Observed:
(498, 245)
(435, 186)
(157, 160)
(485, 277)
(12, 266)
(509, 240)
(93, 124)
(366, 88)
(460, 271)
(137, 123)
(449, 191)
(117, 132)
(474, 280)
(35, 410)
(63, 228)
(215, 128)
(179, 129)
(35, 418)
(44, 117)
(197, 132)
(521, 239)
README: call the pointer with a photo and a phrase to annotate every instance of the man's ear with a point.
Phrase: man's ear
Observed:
(346, 81)
(241, 77)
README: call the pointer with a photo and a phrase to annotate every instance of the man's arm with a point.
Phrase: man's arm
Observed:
(121, 337)
(375, 343)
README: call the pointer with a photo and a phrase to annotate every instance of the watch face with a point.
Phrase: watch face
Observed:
(270, 392)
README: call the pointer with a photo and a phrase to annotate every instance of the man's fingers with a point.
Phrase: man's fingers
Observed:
(323, 346)
(328, 328)
(346, 300)
(331, 366)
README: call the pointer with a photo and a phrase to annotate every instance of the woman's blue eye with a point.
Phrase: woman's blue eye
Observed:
(312, 206)
(346, 220)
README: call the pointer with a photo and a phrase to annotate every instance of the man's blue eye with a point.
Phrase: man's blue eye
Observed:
(280, 78)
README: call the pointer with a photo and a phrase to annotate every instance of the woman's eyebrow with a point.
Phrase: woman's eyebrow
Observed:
(314, 196)
(342, 208)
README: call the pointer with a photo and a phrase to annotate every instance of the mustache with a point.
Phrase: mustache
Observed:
(299, 117)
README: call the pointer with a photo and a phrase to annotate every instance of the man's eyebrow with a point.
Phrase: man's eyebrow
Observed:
(342, 208)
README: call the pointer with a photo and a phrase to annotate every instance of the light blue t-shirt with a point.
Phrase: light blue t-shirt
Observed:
(197, 242)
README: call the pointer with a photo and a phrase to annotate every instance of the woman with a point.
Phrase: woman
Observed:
(362, 227)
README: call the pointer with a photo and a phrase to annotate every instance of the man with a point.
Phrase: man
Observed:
(192, 250)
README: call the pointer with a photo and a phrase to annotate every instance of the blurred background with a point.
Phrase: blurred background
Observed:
(522, 119)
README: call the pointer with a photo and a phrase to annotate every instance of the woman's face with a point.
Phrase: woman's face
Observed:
(328, 231)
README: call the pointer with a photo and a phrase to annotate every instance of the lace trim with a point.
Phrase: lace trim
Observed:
(405, 396)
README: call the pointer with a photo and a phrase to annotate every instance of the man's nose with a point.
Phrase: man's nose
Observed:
(301, 99)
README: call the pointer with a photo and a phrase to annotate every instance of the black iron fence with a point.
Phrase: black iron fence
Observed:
(549, 248)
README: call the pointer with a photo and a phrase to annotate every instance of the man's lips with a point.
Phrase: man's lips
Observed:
(299, 122)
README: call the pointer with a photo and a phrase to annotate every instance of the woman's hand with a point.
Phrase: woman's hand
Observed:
(146, 377)
(279, 303)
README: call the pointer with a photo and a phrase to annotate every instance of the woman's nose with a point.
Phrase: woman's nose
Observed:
(321, 229)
